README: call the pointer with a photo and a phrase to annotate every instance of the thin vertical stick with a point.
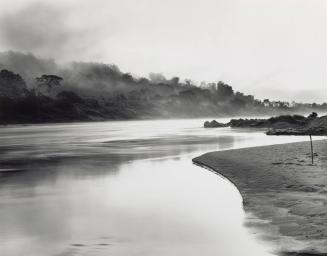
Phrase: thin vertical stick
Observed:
(311, 149)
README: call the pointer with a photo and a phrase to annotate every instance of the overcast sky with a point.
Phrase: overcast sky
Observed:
(270, 48)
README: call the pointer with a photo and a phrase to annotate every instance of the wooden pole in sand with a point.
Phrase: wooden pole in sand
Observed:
(311, 148)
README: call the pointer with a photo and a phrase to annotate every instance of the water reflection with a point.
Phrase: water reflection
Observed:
(121, 188)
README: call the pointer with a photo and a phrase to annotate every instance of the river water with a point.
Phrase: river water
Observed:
(122, 188)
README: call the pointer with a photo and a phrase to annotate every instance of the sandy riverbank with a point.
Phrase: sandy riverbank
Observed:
(286, 194)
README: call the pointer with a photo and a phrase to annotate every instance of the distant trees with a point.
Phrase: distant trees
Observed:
(224, 90)
(241, 100)
(313, 115)
(212, 86)
(69, 97)
(12, 85)
(143, 80)
(266, 103)
(48, 81)
(188, 83)
(157, 78)
(127, 78)
(104, 89)
(174, 80)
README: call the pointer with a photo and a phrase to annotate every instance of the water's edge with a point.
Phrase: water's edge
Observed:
(205, 163)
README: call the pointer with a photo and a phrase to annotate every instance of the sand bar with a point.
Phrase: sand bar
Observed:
(283, 190)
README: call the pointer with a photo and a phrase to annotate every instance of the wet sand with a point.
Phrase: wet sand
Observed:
(284, 195)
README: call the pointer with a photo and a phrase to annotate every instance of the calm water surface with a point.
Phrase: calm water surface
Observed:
(121, 188)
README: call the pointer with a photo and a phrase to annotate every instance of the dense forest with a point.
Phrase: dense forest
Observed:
(34, 90)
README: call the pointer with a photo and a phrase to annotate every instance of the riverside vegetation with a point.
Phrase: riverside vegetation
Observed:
(34, 90)
(280, 125)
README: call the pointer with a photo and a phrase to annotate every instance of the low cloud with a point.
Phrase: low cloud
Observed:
(47, 30)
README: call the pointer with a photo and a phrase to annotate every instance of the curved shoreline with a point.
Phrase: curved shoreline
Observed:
(207, 167)
(279, 186)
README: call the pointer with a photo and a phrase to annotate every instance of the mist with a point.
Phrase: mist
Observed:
(265, 48)
(48, 30)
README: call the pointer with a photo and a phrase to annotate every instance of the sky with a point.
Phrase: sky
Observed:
(274, 49)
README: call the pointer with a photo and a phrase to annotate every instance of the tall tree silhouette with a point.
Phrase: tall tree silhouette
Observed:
(48, 81)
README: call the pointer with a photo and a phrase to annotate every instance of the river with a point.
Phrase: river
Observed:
(122, 188)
